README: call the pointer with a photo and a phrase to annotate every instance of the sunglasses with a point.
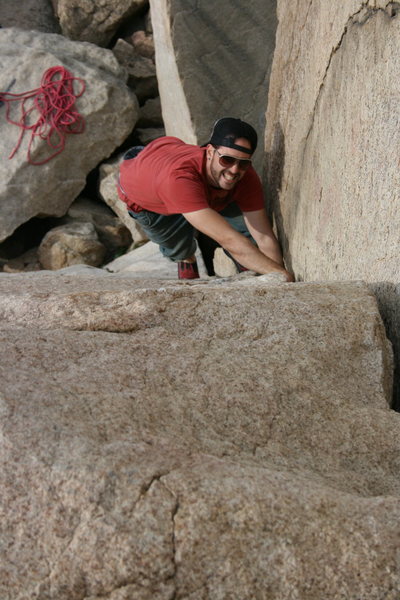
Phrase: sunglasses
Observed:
(228, 161)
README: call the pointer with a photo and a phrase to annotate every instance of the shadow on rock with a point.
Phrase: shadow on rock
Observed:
(388, 297)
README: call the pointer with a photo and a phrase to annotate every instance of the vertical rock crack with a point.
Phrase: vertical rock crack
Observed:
(361, 16)
(174, 513)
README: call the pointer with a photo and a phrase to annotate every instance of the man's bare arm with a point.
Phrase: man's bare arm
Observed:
(211, 223)
(260, 228)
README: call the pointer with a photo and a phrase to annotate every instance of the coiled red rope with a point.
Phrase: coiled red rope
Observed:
(53, 107)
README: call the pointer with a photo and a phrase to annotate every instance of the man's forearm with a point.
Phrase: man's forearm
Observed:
(212, 224)
(259, 226)
(271, 249)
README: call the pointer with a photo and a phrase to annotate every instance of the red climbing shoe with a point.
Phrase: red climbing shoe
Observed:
(188, 270)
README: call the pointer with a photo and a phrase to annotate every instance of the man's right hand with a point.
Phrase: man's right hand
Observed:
(211, 223)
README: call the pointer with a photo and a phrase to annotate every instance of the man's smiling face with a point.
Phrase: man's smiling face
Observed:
(226, 177)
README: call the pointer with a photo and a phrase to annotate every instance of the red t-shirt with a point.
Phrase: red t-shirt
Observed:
(169, 177)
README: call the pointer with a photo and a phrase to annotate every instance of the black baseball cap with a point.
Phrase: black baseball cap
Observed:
(229, 129)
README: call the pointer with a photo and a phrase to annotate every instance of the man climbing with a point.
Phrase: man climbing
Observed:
(176, 190)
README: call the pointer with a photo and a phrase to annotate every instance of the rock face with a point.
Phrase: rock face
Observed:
(96, 22)
(109, 109)
(333, 145)
(195, 440)
(210, 67)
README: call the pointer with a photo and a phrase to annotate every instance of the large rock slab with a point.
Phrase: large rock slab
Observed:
(195, 440)
(333, 145)
(213, 63)
(108, 107)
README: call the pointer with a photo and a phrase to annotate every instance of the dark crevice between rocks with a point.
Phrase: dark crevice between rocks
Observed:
(27, 236)
(30, 234)
(129, 26)
(273, 176)
(388, 298)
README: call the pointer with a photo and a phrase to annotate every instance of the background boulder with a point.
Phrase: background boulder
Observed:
(96, 22)
(110, 111)
(72, 244)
